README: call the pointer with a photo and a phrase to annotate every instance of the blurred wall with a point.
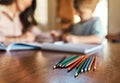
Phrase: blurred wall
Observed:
(52, 5)
(114, 16)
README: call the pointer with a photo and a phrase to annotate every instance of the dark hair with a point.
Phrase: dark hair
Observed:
(27, 16)
(6, 2)
(76, 4)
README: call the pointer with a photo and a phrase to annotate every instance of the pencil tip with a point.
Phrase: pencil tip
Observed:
(94, 68)
(60, 65)
(81, 70)
(85, 70)
(68, 70)
(76, 75)
(88, 69)
(54, 67)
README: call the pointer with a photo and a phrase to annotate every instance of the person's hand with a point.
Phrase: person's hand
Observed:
(56, 34)
(28, 37)
(69, 38)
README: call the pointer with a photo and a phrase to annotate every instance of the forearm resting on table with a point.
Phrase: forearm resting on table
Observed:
(15, 39)
(94, 39)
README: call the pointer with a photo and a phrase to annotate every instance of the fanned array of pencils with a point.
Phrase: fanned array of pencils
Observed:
(82, 63)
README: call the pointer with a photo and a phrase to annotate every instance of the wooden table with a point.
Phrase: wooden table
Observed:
(37, 67)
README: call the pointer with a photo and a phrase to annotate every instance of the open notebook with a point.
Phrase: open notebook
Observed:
(58, 46)
(66, 47)
(20, 46)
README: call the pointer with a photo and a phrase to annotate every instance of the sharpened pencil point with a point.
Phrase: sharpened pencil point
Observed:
(68, 70)
(76, 75)
(81, 70)
(54, 67)
(88, 69)
(60, 65)
(85, 70)
(94, 68)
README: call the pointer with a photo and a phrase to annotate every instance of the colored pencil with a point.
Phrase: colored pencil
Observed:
(81, 61)
(88, 63)
(82, 69)
(74, 64)
(66, 60)
(90, 66)
(79, 68)
(70, 61)
(57, 65)
(95, 63)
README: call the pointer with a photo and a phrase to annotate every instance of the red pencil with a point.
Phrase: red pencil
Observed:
(73, 61)
(85, 57)
(95, 63)
(74, 64)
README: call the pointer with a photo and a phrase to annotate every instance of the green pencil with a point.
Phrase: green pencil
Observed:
(57, 65)
(71, 61)
(67, 60)
(79, 68)
(82, 69)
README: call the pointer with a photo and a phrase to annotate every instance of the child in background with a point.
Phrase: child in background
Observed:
(89, 29)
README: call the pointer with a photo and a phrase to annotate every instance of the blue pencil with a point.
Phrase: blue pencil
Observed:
(79, 68)
(82, 69)
(88, 63)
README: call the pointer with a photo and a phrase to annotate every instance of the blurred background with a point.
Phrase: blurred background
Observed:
(52, 14)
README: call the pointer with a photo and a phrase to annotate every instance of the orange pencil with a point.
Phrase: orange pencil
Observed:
(89, 68)
(85, 57)
(74, 64)
(73, 61)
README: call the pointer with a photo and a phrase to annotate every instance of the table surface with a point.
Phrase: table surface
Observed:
(37, 67)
